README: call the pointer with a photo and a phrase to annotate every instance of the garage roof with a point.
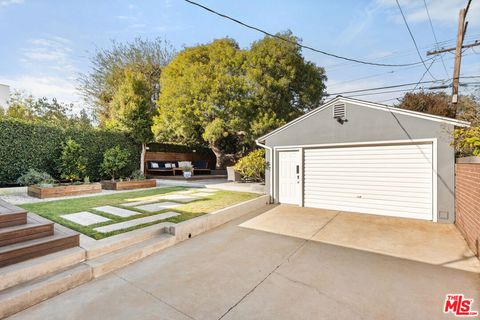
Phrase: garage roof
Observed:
(373, 105)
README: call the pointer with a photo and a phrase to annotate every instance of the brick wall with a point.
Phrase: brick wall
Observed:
(467, 202)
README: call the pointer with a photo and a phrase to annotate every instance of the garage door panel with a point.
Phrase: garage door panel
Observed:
(401, 176)
(395, 178)
(424, 197)
(340, 152)
(378, 181)
(384, 211)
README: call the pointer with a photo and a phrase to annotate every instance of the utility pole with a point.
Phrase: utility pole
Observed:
(462, 29)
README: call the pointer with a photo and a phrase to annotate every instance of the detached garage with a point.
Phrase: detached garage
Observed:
(358, 156)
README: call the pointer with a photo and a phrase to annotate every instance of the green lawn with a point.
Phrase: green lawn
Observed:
(54, 209)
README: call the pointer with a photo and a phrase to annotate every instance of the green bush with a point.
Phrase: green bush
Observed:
(252, 166)
(34, 177)
(72, 164)
(137, 175)
(467, 141)
(32, 145)
(114, 160)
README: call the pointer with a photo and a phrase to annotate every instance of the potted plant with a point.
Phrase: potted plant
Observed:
(115, 160)
(187, 171)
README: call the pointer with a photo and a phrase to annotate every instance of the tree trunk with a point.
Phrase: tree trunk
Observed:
(142, 158)
(220, 155)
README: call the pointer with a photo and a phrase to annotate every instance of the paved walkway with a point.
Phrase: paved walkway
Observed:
(235, 272)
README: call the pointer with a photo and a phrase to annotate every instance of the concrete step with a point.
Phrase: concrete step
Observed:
(18, 298)
(123, 257)
(29, 270)
(25, 250)
(23, 232)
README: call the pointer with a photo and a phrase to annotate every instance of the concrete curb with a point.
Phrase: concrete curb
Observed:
(201, 224)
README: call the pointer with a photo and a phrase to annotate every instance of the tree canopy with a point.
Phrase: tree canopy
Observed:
(42, 110)
(439, 103)
(102, 83)
(225, 96)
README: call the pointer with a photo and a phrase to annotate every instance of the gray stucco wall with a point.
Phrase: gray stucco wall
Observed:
(367, 124)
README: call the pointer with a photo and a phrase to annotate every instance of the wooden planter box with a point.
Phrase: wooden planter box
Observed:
(128, 185)
(62, 191)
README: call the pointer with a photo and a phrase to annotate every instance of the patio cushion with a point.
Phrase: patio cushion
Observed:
(200, 164)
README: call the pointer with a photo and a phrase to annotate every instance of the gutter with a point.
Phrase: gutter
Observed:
(270, 161)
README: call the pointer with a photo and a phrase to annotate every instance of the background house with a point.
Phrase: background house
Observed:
(4, 95)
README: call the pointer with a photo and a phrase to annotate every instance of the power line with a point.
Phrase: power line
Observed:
(423, 75)
(413, 39)
(401, 85)
(385, 87)
(435, 36)
(298, 44)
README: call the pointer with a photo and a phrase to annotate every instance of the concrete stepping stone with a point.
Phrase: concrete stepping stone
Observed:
(201, 194)
(137, 203)
(117, 211)
(210, 190)
(85, 218)
(180, 198)
(158, 206)
(136, 222)
(184, 192)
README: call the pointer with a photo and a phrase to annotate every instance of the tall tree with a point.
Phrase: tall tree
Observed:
(132, 110)
(439, 103)
(285, 85)
(225, 96)
(108, 71)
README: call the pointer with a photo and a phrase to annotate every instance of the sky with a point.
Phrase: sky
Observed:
(46, 44)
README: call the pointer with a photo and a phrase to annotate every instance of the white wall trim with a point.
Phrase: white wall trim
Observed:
(377, 106)
(347, 144)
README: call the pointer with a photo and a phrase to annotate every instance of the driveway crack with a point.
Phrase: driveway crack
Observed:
(319, 292)
(154, 296)
(287, 259)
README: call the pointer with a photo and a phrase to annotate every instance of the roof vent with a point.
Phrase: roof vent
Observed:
(340, 111)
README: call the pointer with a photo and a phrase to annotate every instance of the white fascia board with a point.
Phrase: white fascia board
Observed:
(373, 105)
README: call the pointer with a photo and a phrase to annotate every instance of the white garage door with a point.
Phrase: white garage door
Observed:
(393, 180)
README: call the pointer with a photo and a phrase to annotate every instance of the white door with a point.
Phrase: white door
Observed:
(289, 177)
(394, 180)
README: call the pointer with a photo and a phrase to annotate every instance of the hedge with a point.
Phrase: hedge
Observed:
(25, 145)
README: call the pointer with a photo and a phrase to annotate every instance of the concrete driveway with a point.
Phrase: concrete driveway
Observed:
(284, 263)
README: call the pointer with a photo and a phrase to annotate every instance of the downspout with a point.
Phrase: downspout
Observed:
(271, 166)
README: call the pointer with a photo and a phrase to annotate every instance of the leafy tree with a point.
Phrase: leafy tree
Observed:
(132, 110)
(440, 104)
(42, 110)
(225, 96)
(284, 85)
(114, 160)
(108, 72)
(72, 163)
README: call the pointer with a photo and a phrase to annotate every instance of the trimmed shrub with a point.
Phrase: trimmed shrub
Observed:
(26, 145)
(34, 177)
(137, 175)
(252, 166)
